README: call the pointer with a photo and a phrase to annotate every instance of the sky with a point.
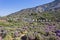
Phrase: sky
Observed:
(10, 6)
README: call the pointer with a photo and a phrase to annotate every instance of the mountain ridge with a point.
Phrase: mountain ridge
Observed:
(43, 7)
(52, 8)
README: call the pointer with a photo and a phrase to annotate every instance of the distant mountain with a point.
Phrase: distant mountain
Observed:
(52, 8)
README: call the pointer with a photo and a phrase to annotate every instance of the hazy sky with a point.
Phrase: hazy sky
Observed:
(11, 6)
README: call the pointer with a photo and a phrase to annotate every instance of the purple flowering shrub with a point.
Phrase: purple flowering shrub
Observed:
(44, 31)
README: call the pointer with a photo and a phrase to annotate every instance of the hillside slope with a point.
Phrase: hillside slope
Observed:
(52, 9)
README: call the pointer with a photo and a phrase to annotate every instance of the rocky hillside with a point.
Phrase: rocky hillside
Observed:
(50, 9)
